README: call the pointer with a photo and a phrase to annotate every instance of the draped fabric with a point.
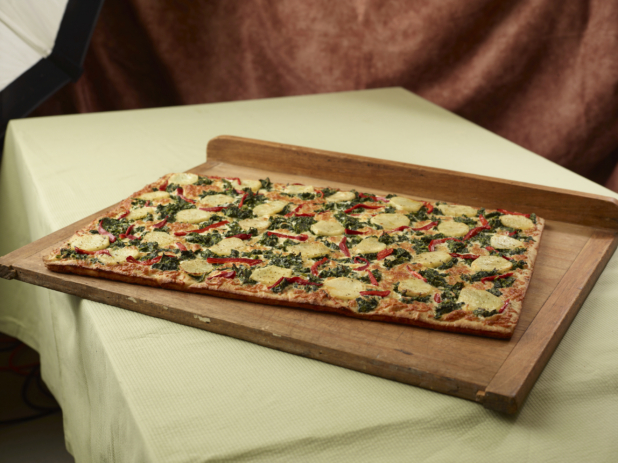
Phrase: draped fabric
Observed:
(541, 73)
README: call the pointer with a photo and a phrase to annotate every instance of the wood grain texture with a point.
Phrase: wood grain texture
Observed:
(398, 177)
(497, 373)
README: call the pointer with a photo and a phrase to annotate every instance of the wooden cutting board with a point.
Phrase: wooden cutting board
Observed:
(579, 238)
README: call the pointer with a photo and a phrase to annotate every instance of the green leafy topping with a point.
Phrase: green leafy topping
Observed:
(203, 181)
(171, 187)
(484, 312)
(495, 292)
(351, 223)
(435, 278)
(457, 247)
(376, 273)
(266, 184)
(66, 253)
(504, 282)
(337, 271)
(467, 220)
(479, 275)
(206, 240)
(398, 257)
(239, 213)
(171, 209)
(446, 307)
(167, 263)
(367, 304)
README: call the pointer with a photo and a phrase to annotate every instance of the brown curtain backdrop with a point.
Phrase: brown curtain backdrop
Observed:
(541, 73)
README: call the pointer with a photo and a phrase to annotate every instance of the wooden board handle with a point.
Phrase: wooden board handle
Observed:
(428, 182)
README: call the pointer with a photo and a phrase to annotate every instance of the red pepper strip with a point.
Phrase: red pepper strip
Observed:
(433, 243)
(181, 246)
(290, 214)
(489, 248)
(512, 233)
(228, 274)
(464, 256)
(507, 258)
(314, 267)
(104, 232)
(201, 230)
(416, 274)
(147, 203)
(240, 260)
(304, 215)
(513, 213)
(484, 222)
(496, 277)
(301, 281)
(428, 206)
(344, 247)
(92, 253)
(242, 200)
(161, 224)
(398, 229)
(473, 232)
(319, 193)
(362, 195)
(372, 278)
(380, 198)
(437, 298)
(122, 216)
(133, 237)
(292, 237)
(358, 260)
(364, 206)
(298, 184)
(385, 253)
(127, 233)
(154, 260)
(180, 193)
(375, 293)
(426, 227)
(354, 232)
(213, 209)
(504, 306)
(242, 236)
(164, 186)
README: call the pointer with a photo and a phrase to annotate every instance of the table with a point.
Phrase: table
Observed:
(135, 388)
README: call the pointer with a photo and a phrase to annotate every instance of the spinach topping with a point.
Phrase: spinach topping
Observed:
(206, 240)
(203, 181)
(252, 199)
(512, 252)
(533, 217)
(268, 240)
(266, 184)
(351, 223)
(386, 239)
(239, 213)
(172, 187)
(294, 261)
(149, 248)
(449, 264)
(435, 278)
(413, 299)
(167, 263)
(138, 202)
(504, 282)
(367, 304)
(457, 247)
(296, 224)
(329, 191)
(478, 275)
(337, 271)
(399, 256)
(306, 196)
(66, 253)
(446, 307)
(467, 220)
(517, 264)
(171, 209)
(114, 226)
(495, 292)
(244, 274)
(484, 313)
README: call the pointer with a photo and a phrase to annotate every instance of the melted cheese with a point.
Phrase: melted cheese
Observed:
(270, 274)
(432, 259)
(192, 216)
(154, 195)
(90, 242)
(119, 255)
(489, 263)
(343, 288)
(196, 266)
(327, 228)
(404, 204)
(478, 299)
(254, 185)
(140, 213)
(458, 210)
(260, 224)
(182, 179)
(216, 200)
(504, 242)
(226, 246)
(298, 189)
(390, 221)
(415, 287)
(164, 240)
(517, 221)
(269, 208)
(311, 250)
(455, 229)
(369, 246)
(340, 196)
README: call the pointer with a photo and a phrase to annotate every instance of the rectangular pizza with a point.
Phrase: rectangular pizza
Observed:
(390, 258)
